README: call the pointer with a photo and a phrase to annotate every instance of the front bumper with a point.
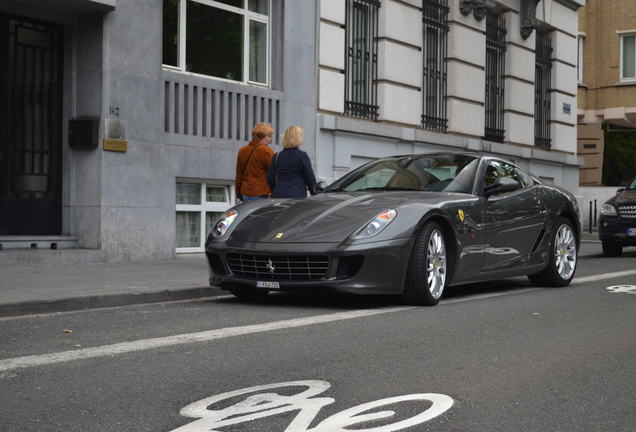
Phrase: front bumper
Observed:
(617, 229)
(382, 269)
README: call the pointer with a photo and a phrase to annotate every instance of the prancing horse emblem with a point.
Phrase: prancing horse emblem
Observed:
(270, 266)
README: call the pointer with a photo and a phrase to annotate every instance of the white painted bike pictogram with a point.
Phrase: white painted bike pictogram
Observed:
(622, 289)
(261, 401)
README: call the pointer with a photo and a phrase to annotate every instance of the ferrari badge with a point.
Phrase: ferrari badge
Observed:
(460, 213)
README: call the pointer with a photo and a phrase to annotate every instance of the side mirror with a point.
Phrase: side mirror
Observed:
(502, 185)
(319, 187)
(620, 191)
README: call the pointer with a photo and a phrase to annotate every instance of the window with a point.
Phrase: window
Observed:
(528, 180)
(361, 69)
(495, 60)
(450, 173)
(226, 39)
(543, 69)
(496, 170)
(199, 206)
(628, 57)
(435, 19)
(579, 59)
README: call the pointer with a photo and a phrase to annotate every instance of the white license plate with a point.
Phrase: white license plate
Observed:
(631, 232)
(267, 284)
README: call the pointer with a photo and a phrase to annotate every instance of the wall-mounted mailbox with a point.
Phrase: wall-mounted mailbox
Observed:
(83, 133)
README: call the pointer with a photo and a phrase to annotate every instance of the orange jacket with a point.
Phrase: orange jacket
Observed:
(251, 179)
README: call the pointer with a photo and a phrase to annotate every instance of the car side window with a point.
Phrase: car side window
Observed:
(497, 169)
(527, 178)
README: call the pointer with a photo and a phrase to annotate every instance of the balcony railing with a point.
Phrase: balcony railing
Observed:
(203, 107)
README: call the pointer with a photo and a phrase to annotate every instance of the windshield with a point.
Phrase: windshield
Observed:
(632, 186)
(448, 173)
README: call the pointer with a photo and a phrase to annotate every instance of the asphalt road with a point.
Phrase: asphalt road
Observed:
(500, 356)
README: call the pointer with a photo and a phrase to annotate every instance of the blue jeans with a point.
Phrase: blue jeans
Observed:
(250, 198)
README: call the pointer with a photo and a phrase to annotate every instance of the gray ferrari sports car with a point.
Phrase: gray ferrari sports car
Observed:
(410, 225)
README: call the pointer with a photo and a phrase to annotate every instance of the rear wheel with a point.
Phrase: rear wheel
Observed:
(562, 257)
(612, 249)
(426, 276)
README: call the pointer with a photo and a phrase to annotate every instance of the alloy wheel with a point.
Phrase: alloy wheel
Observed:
(565, 252)
(436, 264)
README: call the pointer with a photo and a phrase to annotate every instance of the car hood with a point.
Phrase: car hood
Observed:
(329, 217)
(627, 197)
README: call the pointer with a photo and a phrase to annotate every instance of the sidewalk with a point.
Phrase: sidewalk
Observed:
(30, 290)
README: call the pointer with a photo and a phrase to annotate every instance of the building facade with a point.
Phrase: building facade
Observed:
(606, 79)
(402, 76)
(122, 118)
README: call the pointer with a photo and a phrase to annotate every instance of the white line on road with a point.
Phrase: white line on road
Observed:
(204, 336)
(209, 335)
(603, 276)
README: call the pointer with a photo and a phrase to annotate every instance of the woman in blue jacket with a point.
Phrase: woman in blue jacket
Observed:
(290, 174)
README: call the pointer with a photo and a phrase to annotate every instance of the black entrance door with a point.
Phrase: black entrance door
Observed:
(30, 126)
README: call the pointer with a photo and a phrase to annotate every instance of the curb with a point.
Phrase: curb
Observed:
(104, 300)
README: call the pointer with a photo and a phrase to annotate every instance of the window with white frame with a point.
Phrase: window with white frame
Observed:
(579, 59)
(199, 206)
(227, 39)
(628, 57)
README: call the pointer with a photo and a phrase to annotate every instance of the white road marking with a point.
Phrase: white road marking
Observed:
(204, 336)
(622, 289)
(261, 401)
(209, 335)
(603, 276)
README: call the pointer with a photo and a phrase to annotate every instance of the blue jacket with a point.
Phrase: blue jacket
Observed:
(290, 174)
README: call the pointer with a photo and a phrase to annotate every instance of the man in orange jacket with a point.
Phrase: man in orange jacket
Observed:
(252, 163)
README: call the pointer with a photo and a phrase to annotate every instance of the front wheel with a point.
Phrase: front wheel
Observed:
(426, 276)
(562, 257)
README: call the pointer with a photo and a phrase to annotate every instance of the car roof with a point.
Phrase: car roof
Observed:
(475, 155)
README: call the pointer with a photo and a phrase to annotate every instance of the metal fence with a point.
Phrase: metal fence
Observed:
(543, 70)
(361, 59)
(495, 66)
(435, 28)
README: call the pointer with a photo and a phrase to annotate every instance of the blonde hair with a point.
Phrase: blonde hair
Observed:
(293, 136)
(261, 130)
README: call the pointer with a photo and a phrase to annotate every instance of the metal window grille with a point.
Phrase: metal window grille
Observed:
(435, 19)
(361, 62)
(543, 68)
(495, 61)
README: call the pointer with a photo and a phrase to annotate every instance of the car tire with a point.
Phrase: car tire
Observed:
(612, 249)
(249, 294)
(428, 265)
(562, 257)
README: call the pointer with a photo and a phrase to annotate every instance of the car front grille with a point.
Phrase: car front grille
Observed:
(627, 211)
(278, 267)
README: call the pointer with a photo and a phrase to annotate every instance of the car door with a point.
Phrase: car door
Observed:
(513, 219)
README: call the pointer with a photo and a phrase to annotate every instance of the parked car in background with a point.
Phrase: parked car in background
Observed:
(617, 224)
(408, 225)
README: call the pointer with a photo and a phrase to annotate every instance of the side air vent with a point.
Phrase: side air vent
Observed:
(538, 242)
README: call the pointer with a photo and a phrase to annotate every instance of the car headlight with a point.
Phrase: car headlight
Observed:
(376, 225)
(608, 210)
(224, 223)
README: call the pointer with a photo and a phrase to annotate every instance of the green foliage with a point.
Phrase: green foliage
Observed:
(619, 157)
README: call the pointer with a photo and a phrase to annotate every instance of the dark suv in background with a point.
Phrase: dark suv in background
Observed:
(617, 227)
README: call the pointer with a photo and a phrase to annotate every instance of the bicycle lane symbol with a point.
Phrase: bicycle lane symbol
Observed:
(622, 289)
(261, 401)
